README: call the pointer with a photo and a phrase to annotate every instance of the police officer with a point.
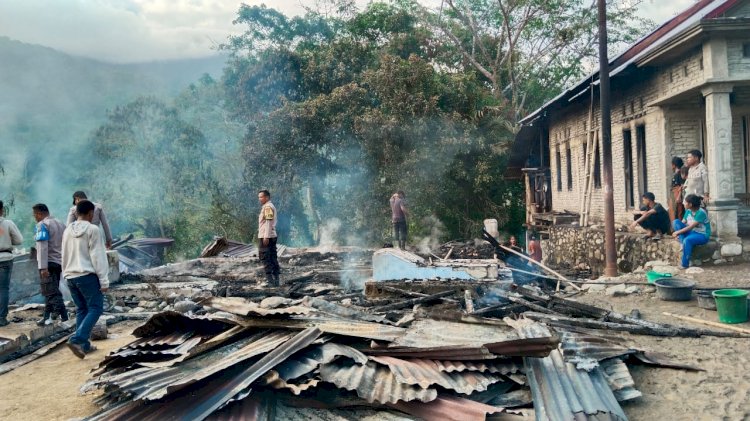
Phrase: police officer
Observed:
(267, 237)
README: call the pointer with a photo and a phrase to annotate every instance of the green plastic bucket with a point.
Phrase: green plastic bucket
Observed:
(652, 276)
(731, 305)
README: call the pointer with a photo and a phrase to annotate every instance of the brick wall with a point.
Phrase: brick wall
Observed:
(629, 111)
(739, 65)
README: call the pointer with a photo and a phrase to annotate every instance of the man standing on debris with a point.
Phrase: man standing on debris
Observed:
(653, 217)
(535, 248)
(697, 180)
(267, 238)
(48, 236)
(9, 236)
(85, 267)
(398, 218)
(99, 217)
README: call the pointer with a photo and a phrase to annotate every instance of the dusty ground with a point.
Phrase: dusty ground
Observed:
(722, 392)
(48, 388)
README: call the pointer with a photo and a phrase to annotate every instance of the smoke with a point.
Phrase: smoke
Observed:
(436, 233)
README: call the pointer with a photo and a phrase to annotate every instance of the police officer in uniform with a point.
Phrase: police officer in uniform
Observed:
(267, 238)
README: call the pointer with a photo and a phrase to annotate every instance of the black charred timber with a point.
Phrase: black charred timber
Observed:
(499, 310)
(412, 293)
(526, 303)
(531, 294)
(413, 301)
(664, 331)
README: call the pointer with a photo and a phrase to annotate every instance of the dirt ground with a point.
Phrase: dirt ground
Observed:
(48, 388)
(722, 392)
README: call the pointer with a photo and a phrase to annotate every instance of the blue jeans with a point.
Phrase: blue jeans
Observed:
(89, 301)
(688, 240)
(5, 270)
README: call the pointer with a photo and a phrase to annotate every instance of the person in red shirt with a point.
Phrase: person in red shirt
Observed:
(535, 249)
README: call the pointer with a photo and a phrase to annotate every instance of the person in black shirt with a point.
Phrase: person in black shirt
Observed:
(653, 218)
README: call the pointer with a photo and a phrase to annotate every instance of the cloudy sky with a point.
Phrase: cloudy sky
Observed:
(144, 30)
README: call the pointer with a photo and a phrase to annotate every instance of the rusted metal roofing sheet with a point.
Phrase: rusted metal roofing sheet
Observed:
(374, 383)
(425, 373)
(446, 353)
(310, 360)
(447, 408)
(337, 326)
(499, 367)
(243, 307)
(526, 347)
(155, 383)
(563, 392)
(197, 404)
(596, 347)
(273, 380)
(169, 322)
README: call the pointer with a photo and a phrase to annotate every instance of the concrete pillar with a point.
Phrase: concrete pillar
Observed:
(722, 207)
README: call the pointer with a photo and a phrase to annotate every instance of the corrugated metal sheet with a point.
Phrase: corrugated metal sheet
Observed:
(619, 379)
(172, 339)
(273, 380)
(446, 353)
(170, 322)
(526, 347)
(343, 327)
(243, 307)
(586, 346)
(197, 404)
(425, 373)
(248, 409)
(561, 391)
(374, 383)
(428, 333)
(155, 383)
(448, 408)
(310, 360)
(499, 367)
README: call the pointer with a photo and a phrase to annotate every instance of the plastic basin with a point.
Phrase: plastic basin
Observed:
(731, 305)
(673, 289)
(652, 276)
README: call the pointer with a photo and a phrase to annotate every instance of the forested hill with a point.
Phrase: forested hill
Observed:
(39, 79)
(51, 103)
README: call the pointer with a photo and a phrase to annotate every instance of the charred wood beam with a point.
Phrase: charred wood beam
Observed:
(413, 301)
(412, 293)
(666, 330)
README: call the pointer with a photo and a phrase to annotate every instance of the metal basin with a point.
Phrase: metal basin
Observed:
(674, 289)
(706, 300)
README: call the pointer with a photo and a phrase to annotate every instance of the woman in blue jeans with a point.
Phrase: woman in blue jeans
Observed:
(693, 230)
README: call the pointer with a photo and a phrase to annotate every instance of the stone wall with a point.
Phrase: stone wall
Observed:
(571, 246)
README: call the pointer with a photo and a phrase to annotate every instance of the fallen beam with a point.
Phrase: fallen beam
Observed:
(708, 323)
(413, 301)
(636, 329)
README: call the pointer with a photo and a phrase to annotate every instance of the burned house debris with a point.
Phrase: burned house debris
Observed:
(229, 347)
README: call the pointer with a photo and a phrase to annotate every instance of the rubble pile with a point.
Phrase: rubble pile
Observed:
(407, 355)
(475, 249)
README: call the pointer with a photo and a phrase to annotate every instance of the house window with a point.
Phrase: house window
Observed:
(569, 166)
(746, 50)
(627, 153)
(558, 166)
(640, 145)
(597, 167)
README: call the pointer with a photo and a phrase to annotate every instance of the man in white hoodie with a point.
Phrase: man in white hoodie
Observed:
(84, 266)
(9, 236)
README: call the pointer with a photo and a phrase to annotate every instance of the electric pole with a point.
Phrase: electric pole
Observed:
(610, 252)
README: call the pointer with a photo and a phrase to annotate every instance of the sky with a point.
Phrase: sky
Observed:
(128, 31)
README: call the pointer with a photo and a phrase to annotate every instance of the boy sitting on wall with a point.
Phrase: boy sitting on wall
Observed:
(653, 217)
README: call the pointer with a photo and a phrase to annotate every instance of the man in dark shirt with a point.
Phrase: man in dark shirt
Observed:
(653, 217)
(398, 218)
(676, 209)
